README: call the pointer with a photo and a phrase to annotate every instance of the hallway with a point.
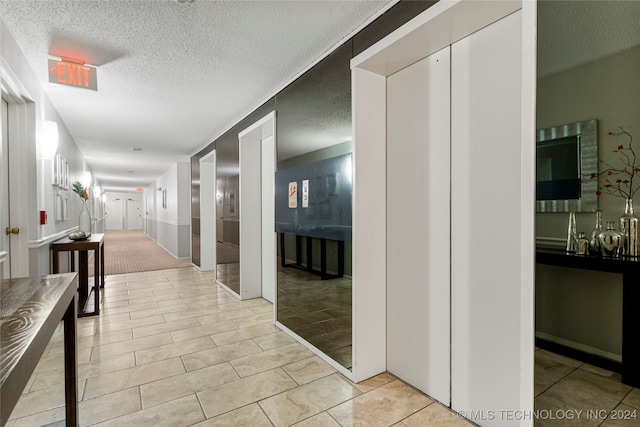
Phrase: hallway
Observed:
(170, 348)
(131, 251)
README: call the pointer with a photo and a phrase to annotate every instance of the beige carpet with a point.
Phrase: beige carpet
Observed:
(131, 251)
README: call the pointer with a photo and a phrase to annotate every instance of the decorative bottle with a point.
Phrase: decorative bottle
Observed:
(572, 237)
(84, 219)
(610, 241)
(629, 230)
(594, 243)
(582, 244)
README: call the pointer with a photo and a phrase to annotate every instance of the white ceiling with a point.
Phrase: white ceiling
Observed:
(172, 76)
(572, 33)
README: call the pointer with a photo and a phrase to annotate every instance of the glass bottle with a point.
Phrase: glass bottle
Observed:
(629, 230)
(594, 242)
(572, 237)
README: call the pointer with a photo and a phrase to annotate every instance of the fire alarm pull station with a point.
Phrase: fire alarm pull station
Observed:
(43, 217)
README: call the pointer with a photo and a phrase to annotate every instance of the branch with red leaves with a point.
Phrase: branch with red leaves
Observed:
(618, 179)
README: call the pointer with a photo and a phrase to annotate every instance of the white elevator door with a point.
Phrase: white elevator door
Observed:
(418, 282)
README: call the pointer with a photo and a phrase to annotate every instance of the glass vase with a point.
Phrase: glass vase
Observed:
(572, 237)
(610, 241)
(84, 219)
(594, 242)
(629, 230)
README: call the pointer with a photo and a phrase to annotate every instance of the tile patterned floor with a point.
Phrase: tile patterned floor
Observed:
(582, 394)
(317, 310)
(229, 275)
(171, 348)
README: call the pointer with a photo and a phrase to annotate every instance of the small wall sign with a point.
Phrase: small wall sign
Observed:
(305, 193)
(293, 194)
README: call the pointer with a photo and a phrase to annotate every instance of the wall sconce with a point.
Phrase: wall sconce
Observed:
(85, 179)
(49, 139)
(104, 197)
(96, 191)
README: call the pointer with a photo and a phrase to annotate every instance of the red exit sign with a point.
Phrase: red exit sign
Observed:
(71, 73)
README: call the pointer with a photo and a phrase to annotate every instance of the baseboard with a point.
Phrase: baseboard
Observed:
(581, 355)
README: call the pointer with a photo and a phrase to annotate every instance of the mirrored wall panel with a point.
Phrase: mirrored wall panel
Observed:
(227, 228)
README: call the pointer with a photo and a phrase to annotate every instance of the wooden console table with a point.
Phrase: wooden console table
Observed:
(630, 270)
(94, 243)
(30, 310)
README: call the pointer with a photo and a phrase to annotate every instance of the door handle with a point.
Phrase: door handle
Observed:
(12, 230)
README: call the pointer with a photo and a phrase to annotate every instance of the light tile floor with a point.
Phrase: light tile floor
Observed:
(171, 348)
(572, 393)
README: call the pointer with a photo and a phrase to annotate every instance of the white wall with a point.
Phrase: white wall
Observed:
(583, 309)
(174, 220)
(33, 176)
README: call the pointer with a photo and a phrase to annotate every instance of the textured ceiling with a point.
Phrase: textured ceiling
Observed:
(172, 76)
(572, 33)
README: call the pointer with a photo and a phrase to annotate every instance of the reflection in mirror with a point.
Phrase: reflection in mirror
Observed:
(566, 156)
(314, 124)
(227, 216)
(313, 219)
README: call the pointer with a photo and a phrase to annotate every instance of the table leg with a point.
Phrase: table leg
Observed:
(71, 365)
(83, 274)
(323, 259)
(309, 241)
(96, 280)
(55, 267)
(630, 328)
(341, 258)
(102, 264)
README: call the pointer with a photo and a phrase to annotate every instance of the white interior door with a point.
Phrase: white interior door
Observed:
(5, 262)
(492, 236)
(113, 214)
(134, 215)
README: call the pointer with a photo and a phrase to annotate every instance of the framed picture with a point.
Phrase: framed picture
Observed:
(55, 169)
(232, 203)
(59, 214)
(66, 175)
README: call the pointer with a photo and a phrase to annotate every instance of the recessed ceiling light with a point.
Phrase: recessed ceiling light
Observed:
(136, 148)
